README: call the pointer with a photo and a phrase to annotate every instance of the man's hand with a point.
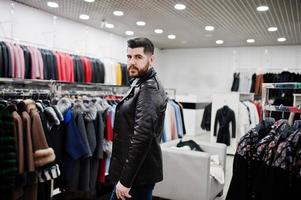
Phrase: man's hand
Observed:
(122, 192)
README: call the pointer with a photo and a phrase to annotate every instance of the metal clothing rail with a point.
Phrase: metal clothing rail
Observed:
(246, 96)
(260, 70)
(57, 88)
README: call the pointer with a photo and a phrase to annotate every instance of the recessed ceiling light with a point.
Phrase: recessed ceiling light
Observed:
(108, 25)
(118, 13)
(129, 33)
(180, 6)
(262, 8)
(250, 40)
(52, 4)
(140, 23)
(219, 42)
(209, 28)
(172, 37)
(272, 29)
(159, 31)
(89, 1)
(84, 17)
(282, 39)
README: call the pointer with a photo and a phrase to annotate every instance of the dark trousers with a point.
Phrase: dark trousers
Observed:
(141, 192)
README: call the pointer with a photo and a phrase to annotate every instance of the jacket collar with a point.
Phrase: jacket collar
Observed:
(148, 75)
(138, 81)
(88, 110)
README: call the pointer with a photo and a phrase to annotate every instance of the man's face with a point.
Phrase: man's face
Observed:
(138, 63)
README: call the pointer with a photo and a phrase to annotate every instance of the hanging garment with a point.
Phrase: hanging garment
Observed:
(118, 74)
(206, 120)
(8, 161)
(244, 120)
(20, 63)
(78, 70)
(252, 90)
(37, 68)
(235, 84)
(12, 59)
(245, 82)
(179, 125)
(258, 84)
(69, 68)
(27, 60)
(224, 116)
(100, 71)
(6, 61)
(110, 71)
(87, 66)
(265, 163)
(125, 76)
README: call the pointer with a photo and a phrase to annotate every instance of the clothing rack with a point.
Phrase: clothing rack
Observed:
(91, 89)
(57, 88)
(246, 96)
(267, 70)
(171, 93)
(52, 48)
(278, 108)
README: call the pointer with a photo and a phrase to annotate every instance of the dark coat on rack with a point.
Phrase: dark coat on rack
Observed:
(235, 83)
(78, 70)
(224, 116)
(136, 157)
(19, 192)
(8, 153)
(206, 121)
(125, 77)
(27, 59)
(7, 65)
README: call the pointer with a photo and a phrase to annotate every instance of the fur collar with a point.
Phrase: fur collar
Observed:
(64, 104)
(88, 110)
(30, 105)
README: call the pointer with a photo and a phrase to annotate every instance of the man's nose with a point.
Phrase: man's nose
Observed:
(131, 61)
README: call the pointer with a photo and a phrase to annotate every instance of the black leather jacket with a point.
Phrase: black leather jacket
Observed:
(136, 157)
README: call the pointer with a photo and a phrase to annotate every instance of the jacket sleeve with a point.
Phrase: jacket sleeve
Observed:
(145, 115)
(203, 126)
(215, 123)
(233, 125)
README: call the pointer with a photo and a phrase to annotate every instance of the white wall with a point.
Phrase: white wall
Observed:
(30, 25)
(205, 71)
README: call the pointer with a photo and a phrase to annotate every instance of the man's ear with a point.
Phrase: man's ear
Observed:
(152, 60)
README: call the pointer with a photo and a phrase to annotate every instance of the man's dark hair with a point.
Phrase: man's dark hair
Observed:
(142, 42)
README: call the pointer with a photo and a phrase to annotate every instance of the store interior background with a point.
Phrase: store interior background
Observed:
(194, 73)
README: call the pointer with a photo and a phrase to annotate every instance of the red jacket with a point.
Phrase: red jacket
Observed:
(87, 69)
(69, 68)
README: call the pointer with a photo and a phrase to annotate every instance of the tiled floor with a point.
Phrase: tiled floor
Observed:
(229, 164)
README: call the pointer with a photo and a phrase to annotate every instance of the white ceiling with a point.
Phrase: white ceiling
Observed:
(235, 21)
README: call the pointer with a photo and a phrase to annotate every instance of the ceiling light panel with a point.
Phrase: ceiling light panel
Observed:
(158, 31)
(118, 13)
(262, 8)
(171, 37)
(140, 23)
(180, 6)
(52, 4)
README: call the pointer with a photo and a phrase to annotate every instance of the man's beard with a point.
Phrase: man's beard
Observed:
(141, 72)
